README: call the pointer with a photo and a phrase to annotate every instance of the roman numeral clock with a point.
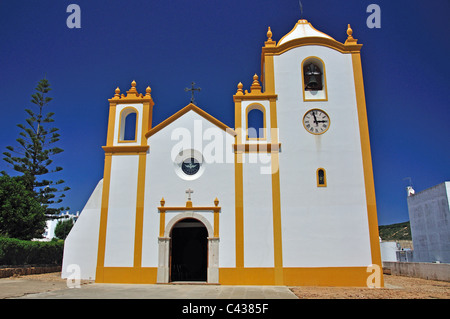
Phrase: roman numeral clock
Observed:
(316, 121)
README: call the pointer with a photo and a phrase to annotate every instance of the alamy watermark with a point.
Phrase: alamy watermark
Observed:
(74, 19)
(374, 19)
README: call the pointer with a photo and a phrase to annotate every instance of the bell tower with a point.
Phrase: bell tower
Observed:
(130, 117)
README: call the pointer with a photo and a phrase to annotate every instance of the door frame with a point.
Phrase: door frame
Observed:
(164, 251)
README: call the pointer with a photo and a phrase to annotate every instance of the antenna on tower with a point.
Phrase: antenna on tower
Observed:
(301, 9)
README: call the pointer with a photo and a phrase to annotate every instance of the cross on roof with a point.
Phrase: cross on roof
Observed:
(192, 89)
(189, 192)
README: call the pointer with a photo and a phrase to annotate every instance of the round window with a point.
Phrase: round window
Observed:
(189, 164)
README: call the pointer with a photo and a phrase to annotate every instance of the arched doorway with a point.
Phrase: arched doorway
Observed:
(189, 251)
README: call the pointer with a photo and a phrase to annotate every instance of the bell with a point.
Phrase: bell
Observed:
(311, 74)
(312, 83)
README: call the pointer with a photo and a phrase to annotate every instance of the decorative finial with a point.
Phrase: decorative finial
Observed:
(240, 91)
(269, 35)
(350, 40)
(148, 90)
(162, 202)
(349, 32)
(117, 91)
(256, 87)
(133, 90)
(216, 202)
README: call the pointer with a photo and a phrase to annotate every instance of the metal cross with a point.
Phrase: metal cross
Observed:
(189, 192)
(192, 89)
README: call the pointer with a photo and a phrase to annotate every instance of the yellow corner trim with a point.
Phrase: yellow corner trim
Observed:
(125, 150)
(263, 148)
(330, 43)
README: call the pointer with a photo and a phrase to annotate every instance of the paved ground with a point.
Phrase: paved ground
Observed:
(51, 286)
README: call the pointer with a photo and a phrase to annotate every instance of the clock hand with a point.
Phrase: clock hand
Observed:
(315, 119)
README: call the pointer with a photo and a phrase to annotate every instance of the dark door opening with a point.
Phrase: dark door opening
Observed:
(189, 251)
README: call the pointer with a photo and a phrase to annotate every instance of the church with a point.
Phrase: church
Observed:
(286, 197)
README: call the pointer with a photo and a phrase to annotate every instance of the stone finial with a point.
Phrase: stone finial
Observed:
(256, 87)
(117, 95)
(350, 39)
(148, 90)
(269, 35)
(133, 90)
(216, 202)
(239, 90)
(162, 202)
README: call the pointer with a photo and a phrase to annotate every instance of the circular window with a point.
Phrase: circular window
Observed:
(189, 164)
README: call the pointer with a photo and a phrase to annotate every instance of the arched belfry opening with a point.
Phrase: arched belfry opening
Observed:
(189, 251)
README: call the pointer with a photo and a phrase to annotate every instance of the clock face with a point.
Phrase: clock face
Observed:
(316, 121)
(190, 166)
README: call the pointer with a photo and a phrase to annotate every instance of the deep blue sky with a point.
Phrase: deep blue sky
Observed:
(217, 44)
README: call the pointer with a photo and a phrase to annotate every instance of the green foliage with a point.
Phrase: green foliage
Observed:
(20, 252)
(63, 228)
(33, 156)
(400, 231)
(21, 215)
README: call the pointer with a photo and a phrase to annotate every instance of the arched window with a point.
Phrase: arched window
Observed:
(128, 125)
(314, 79)
(256, 122)
(321, 177)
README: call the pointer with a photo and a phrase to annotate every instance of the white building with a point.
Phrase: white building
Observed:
(429, 215)
(293, 204)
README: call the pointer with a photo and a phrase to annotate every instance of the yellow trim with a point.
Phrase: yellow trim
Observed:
(324, 177)
(111, 124)
(329, 121)
(255, 148)
(306, 41)
(216, 224)
(239, 186)
(103, 219)
(122, 117)
(196, 109)
(129, 275)
(259, 107)
(293, 276)
(324, 82)
(139, 226)
(276, 201)
(162, 223)
(367, 161)
(125, 150)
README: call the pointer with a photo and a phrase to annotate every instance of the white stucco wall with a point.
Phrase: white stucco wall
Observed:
(162, 180)
(119, 249)
(81, 245)
(322, 226)
(258, 216)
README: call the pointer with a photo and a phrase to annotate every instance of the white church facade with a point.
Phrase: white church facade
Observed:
(192, 199)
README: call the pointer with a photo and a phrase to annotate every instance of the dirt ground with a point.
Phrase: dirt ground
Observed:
(396, 287)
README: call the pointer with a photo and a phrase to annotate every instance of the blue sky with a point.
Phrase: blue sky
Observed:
(217, 44)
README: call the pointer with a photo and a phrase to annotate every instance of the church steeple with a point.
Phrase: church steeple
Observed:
(133, 110)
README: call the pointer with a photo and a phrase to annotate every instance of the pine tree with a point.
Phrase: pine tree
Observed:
(35, 151)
